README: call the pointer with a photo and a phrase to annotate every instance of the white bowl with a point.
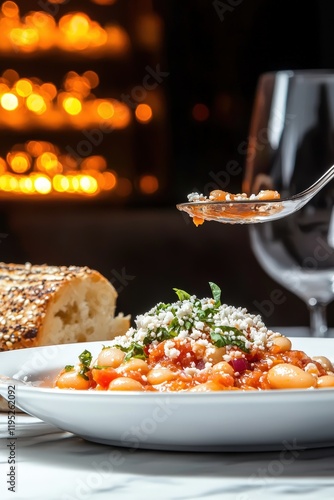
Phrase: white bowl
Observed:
(217, 421)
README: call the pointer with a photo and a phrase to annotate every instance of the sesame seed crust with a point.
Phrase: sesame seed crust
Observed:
(25, 292)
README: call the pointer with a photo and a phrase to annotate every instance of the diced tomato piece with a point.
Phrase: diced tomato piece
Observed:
(157, 353)
(185, 358)
(223, 379)
(135, 375)
(105, 376)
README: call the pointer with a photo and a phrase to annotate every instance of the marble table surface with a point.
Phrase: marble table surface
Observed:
(54, 465)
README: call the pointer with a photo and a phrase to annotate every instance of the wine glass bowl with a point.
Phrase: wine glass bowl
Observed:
(291, 144)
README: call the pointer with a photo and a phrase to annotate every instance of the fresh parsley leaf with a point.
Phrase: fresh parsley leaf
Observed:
(147, 340)
(83, 371)
(182, 295)
(85, 358)
(69, 368)
(162, 306)
(174, 324)
(203, 315)
(223, 339)
(164, 334)
(134, 350)
(216, 292)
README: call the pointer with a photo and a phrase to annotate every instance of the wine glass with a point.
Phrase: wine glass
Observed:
(291, 144)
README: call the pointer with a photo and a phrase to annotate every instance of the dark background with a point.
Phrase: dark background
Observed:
(214, 56)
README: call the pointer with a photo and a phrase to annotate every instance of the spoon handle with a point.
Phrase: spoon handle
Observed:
(319, 184)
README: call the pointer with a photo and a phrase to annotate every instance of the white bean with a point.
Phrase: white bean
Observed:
(110, 356)
(223, 367)
(288, 376)
(134, 365)
(72, 380)
(125, 384)
(326, 381)
(325, 362)
(283, 343)
(209, 386)
(159, 375)
(216, 355)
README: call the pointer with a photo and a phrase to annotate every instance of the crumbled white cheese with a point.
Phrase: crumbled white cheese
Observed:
(196, 197)
(196, 334)
(199, 325)
(193, 321)
(170, 350)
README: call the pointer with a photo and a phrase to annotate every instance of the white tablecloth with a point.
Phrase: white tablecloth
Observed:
(55, 465)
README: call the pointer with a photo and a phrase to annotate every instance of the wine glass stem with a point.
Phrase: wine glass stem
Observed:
(318, 319)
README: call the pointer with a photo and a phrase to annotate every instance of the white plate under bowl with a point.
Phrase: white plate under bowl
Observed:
(217, 421)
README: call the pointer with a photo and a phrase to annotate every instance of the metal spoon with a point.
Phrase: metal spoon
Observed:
(253, 211)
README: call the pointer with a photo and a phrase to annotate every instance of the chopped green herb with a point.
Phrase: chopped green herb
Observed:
(164, 330)
(224, 339)
(85, 359)
(216, 293)
(69, 368)
(164, 334)
(182, 295)
(134, 350)
(188, 325)
(161, 306)
(83, 372)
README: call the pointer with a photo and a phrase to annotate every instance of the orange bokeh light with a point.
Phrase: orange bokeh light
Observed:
(72, 105)
(11, 75)
(39, 167)
(10, 9)
(109, 181)
(20, 162)
(88, 184)
(27, 99)
(49, 89)
(143, 113)
(36, 104)
(92, 77)
(48, 162)
(148, 184)
(94, 163)
(9, 101)
(23, 87)
(106, 110)
(3, 166)
(42, 184)
(74, 31)
(36, 148)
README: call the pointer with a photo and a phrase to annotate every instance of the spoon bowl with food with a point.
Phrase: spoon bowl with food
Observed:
(265, 206)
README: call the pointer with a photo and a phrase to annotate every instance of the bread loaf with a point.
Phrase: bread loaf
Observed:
(45, 305)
